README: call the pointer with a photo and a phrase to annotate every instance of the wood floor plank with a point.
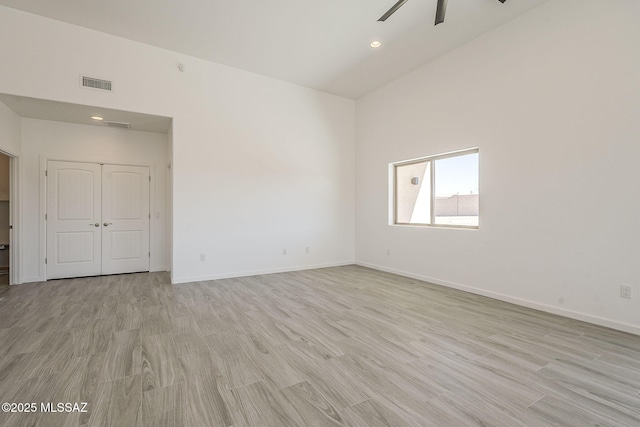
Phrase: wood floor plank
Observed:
(9, 337)
(230, 353)
(206, 398)
(558, 412)
(187, 336)
(163, 406)
(370, 414)
(460, 375)
(339, 386)
(123, 357)
(118, 403)
(93, 338)
(595, 386)
(160, 364)
(89, 385)
(15, 368)
(52, 354)
(375, 383)
(35, 389)
(312, 407)
(128, 315)
(260, 406)
(277, 366)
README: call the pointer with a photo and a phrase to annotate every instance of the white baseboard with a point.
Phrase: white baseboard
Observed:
(609, 323)
(30, 280)
(177, 280)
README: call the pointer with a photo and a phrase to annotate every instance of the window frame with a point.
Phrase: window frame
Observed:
(432, 169)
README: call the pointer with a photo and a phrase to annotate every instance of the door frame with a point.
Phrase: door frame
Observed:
(42, 204)
(15, 239)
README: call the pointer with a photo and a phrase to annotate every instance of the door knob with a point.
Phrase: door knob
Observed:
(97, 224)
(106, 224)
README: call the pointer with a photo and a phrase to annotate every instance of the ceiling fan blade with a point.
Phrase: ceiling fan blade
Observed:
(392, 10)
(440, 11)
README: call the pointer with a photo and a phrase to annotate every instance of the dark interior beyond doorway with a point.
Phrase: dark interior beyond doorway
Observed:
(4, 219)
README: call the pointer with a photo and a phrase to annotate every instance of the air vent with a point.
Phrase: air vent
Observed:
(123, 125)
(94, 83)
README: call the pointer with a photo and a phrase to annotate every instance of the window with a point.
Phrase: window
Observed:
(438, 190)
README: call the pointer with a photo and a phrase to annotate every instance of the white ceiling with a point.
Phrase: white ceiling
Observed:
(322, 44)
(73, 113)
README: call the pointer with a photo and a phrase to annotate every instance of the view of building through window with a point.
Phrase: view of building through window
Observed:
(438, 190)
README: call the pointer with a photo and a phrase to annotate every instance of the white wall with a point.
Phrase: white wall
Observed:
(42, 140)
(258, 164)
(553, 101)
(9, 131)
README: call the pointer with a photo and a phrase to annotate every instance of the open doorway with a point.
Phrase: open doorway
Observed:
(5, 220)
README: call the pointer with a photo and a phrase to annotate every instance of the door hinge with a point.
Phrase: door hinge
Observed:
(149, 254)
(45, 260)
(149, 216)
(149, 178)
(45, 217)
(46, 173)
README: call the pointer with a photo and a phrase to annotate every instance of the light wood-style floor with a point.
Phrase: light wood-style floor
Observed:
(339, 346)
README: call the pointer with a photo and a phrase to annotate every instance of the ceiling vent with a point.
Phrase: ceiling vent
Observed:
(93, 83)
(122, 125)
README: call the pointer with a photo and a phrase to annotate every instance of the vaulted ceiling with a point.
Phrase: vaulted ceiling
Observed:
(318, 44)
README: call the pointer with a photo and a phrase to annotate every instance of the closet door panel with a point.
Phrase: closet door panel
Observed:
(125, 219)
(74, 229)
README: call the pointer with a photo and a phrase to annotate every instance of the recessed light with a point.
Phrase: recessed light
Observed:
(375, 43)
(97, 118)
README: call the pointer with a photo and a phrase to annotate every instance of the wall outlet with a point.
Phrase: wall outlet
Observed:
(284, 251)
(203, 257)
(388, 252)
(306, 249)
(625, 291)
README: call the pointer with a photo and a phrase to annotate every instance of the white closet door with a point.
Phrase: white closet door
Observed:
(125, 219)
(73, 219)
